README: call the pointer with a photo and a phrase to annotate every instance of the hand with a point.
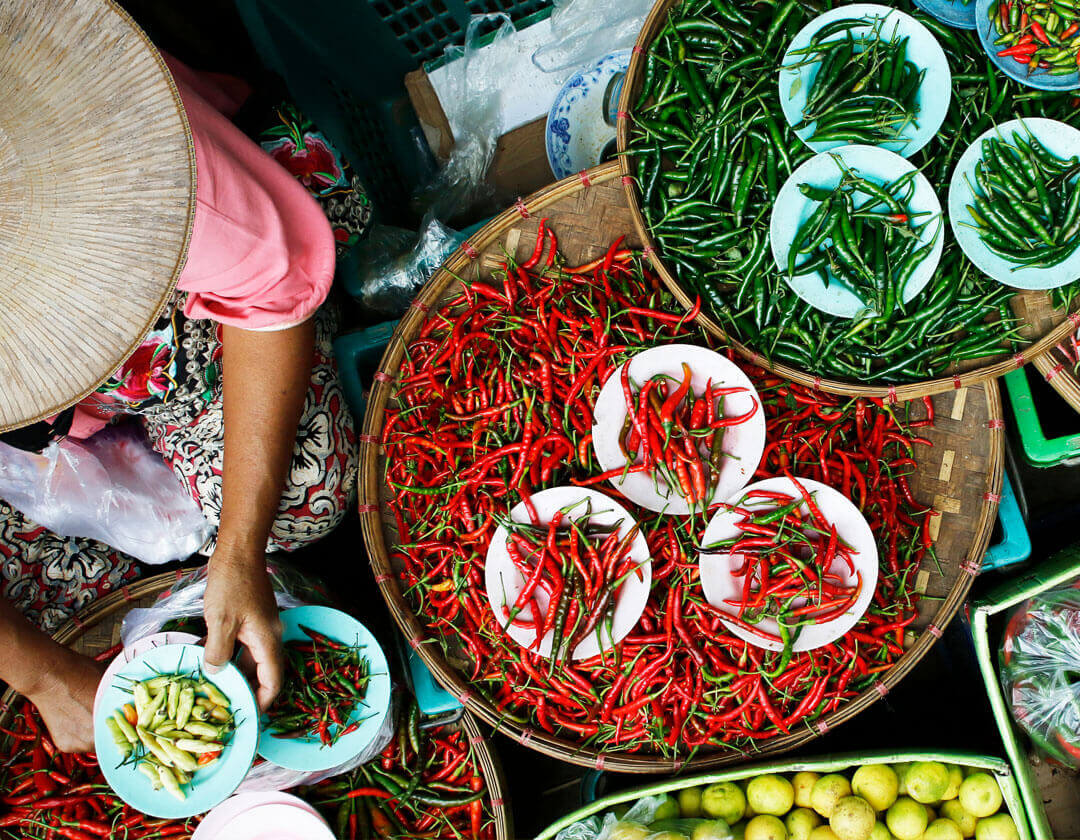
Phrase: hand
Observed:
(240, 607)
(65, 699)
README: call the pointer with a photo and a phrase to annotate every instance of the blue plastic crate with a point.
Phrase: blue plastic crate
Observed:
(1015, 545)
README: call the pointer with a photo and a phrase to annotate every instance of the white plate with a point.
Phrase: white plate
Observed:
(1062, 140)
(720, 584)
(923, 51)
(792, 208)
(133, 650)
(504, 581)
(213, 823)
(277, 822)
(577, 134)
(743, 444)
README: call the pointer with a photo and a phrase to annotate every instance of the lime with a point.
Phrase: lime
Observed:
(877, 784)
(724, 801)
(852, 819)
(690, 802)
(997, 827)
(906, 819)
(980, 795)
(711, 830)
(943, 829)
(765, 827)
(770, 794)
(927, 780)
(956, 776)
(800, 823)
(628, 831)
(668, 810)
(804, 783)
(827, 791)
(954, 811)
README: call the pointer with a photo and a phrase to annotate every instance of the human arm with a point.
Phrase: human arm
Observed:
(265, 379)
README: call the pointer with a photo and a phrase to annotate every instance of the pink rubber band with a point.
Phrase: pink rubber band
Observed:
(414, 641)
(498, 802)
(1074, 319)
(525, 737)
(599, 763)
(648, 249)
(817, 383)
(383, 377)
(470, 251)
(971, 567)
(822, 727)
(126, 591)
(367, 438)
(465, 697)
(383, 578)
(521, 208)
(622, 115)
(881, 688)
(627, 179)
(1054, 371)
(368, 508)
(892, 395)
(992, 497)
(1019, 359)
(638, 49)
(956, 382)
(934, 631)
(419, 304)
(996, 423)
(584, 176)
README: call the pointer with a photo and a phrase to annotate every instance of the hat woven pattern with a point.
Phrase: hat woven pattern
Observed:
(97, 181)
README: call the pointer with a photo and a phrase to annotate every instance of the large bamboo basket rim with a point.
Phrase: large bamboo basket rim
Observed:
(894, 393)
(109, 605)
(561, 748)
(1059, 373)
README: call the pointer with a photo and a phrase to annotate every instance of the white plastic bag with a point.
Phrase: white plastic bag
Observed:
(112, 488)
(584, 30)
(460, 183)
(599, 827)
(181, 606)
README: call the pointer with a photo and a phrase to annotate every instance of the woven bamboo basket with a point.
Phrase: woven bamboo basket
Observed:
(1041, 324)
(1058, 367)
(960, 476)
(97, 629)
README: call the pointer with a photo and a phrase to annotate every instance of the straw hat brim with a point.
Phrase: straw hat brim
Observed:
(97, 198)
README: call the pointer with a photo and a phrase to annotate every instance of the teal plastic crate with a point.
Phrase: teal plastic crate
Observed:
(1015, 544)
(358, 354)
(344, 63)
(1040, 450)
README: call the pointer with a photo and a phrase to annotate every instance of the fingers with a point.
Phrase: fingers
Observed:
(264, 646)
(220, 641)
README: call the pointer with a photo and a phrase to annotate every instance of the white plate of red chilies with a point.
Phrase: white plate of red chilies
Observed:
(574, 568)
(702, 419)
(792, 548)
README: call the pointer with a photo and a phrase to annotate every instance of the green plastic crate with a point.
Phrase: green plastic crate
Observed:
(1039, 450)
(1051, 800)
(825, 764)
(344, 62)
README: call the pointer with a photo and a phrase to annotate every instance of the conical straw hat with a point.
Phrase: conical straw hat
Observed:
(97, 196)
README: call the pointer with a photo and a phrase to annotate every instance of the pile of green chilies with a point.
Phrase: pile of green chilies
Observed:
(325, 681)
(873, 249)
(865, 89)
(494, 401)
(426, 784)
(710, 149)
(1043, 36)
(1027, 202)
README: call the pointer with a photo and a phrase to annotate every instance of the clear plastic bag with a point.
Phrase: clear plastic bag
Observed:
(609, 826)
(180, 607)
(1040, 671)
(459, 184)
(394, 264)
(583, 30)
(112, 488)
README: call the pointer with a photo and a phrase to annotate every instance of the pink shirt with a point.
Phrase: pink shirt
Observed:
(261, 255)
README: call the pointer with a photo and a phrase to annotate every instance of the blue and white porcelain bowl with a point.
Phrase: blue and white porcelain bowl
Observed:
(577, 132)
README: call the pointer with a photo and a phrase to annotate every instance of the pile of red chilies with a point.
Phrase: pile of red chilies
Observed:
(676, 433)
(787, 563)
(426, 785)
(580, 570)
(50, 794)
(494, 401)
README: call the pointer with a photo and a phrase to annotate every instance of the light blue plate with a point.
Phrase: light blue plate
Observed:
(1061, 139)
(954, 13)
(577, 133)
(1012, 68)
(923, 51)
(792, 208)
(307, 754)
(211, 785)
